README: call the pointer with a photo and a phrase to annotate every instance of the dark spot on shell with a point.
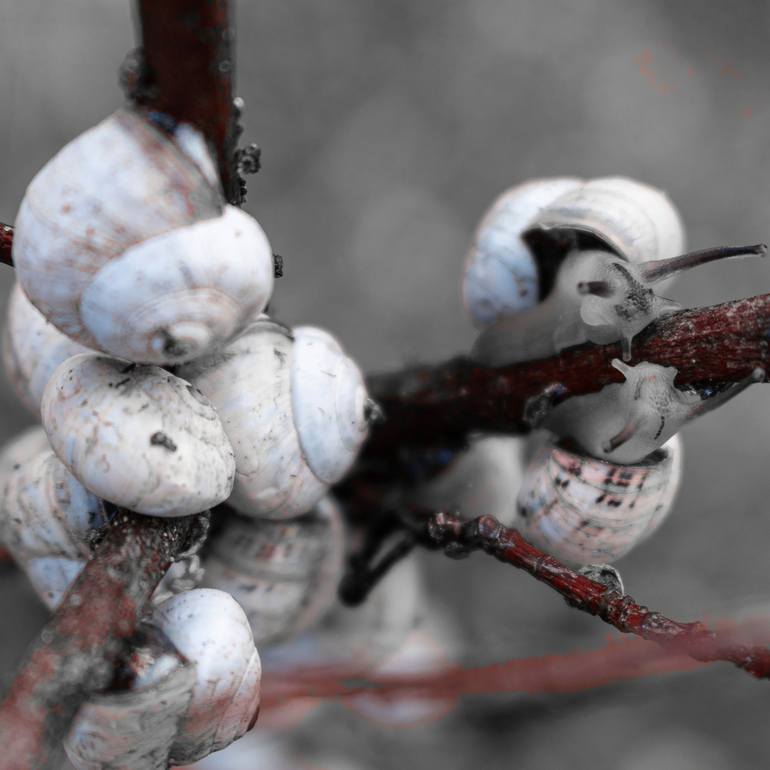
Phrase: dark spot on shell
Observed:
(159, 438)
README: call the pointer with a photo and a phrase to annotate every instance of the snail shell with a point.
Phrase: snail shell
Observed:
(20, 448)
(484, 479)
(294, 408)
(585, 510)
(123, 242)
(134, 724)
(284, 574)
(357, 639)
(209, 628)
(632, 219)
(501, 273)
(32, 349)
(137, 436)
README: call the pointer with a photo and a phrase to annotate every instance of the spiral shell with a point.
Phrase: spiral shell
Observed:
(32, 349)
(585, 511)
(501, 273)
(294, 408)
(284, 574)
(137, 436)
(21, 448)
(484, 479)
(632, 219)
(123, 242)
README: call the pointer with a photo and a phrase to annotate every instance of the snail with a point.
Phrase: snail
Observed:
(21, 448)
(523, 236)
(49, 522)
(123, 243)
(599, 298)
(625, 422)
(501, 274)
(585, 510)
(295, 409)
(192, 687)
(137, 436)
(284, 574)
(485, 478)
(32, 349)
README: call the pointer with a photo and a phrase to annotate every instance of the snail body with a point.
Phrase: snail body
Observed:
(32, 349)
(584, 510)
(123, 242)
(199, 693)
(137, 436)
(284, 574)
(295, 409)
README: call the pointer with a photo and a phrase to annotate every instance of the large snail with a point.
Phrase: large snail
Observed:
(585, 510)
(137, 436)
(192, 686)
(124, 243)
(295, 409)
(284, 574)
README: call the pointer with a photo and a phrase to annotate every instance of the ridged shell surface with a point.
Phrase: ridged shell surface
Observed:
(209, 628)
(284, 574)
(329, 401)
(588, 511)
(21, 448)
(501, 273)
(138, 436)
(32, 349)
(113, 187)
(249, 383)
(637, 221)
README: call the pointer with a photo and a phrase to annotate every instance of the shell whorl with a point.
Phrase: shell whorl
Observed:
(501, 274)
(585, 510)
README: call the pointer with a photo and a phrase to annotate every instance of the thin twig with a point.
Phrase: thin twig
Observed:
(441, 405)
(74, 654)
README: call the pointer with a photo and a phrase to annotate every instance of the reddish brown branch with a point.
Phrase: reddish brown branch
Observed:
(6, 244)
(189, 72)
(74, 654)
(442, 404)
(620, 611)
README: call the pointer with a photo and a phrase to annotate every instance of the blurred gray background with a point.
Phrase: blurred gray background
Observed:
(387, 128)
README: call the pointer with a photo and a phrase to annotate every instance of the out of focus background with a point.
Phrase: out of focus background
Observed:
(387, 128)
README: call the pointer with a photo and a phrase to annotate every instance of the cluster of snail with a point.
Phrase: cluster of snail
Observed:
(555, 263)
(136, 335)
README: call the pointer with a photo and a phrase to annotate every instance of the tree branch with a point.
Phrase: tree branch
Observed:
(441, 405)
(6, 244)
(74, 654)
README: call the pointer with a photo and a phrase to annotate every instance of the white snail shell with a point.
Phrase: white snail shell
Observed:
(133, 727)
(137, 436)
(209, 628)
(357, 638)
(284, 574)
(294, 408)
(584, 510)
(32, 349)
(483, 479)
(501, 273)
(636, 221)
(20, 448)
(122, 242)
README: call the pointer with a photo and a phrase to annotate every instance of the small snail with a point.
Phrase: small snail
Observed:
(284, 574)
(137, 436)
(192, 687)
(49, 521)
(123, 242)
(598, 297)
(295, 409)
(625, 422)
(485, 478)
(587, 511)
(21, 448)
(501, 273)
(32, 349)
(527, 230)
